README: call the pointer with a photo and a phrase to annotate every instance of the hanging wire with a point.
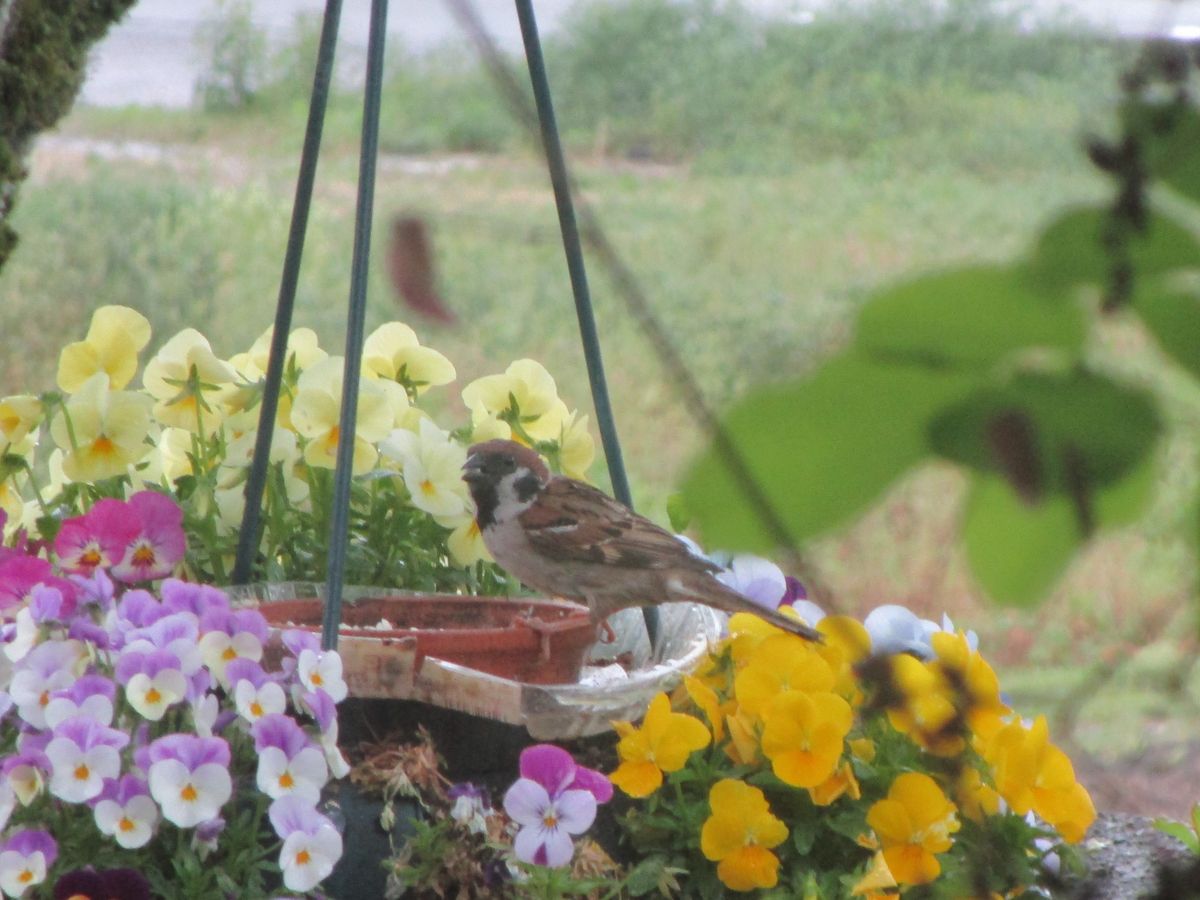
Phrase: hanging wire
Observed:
(339, 528)
(250, 534)
(560, 180)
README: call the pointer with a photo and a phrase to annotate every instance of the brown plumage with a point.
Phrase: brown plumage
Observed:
(567, 539)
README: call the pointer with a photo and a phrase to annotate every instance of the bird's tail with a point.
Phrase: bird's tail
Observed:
(698, 588)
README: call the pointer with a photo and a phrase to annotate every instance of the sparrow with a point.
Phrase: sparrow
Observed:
(567, 539)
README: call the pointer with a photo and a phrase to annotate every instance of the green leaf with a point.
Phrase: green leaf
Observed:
(821, 449)
(967, 317)
(1172, 316)
(1170, 142)
(1180, 832)
(1017, 550)
(1038, 427)
(678, 513)
(1071, 251)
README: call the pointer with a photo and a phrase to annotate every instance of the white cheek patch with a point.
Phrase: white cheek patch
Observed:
(509, 504)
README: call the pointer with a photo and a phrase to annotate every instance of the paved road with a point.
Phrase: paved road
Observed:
(153, 58)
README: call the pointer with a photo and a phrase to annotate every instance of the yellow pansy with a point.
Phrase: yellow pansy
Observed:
(187, 380)
(1032, 773)
(842, 782)
(976, 799)
(431, 463)
(465, 543)
(804, 734)
(115, 337)
(877, 880)
(107, 430)
(739, 835)
(782, 662)
(576, 447)
(393, 352)
(20, 414)
(317, 410)
(302, 351)
(663, 744)
(914, 823)
(710, 704)
(169, 458)
(525, 394)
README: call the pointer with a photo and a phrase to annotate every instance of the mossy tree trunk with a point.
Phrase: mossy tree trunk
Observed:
(44, 46)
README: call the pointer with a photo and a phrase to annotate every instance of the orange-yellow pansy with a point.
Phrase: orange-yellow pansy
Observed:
(1032, 773)
(803, 736)
(739, 835)
(663, 744)
(782, 662)
(914, 822)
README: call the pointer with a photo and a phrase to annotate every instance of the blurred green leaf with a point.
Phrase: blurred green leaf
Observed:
(1071, 251)
(967, 317)
(1170, 134)
(821, 449)
(1180, 832)
(1173, 316)
(1122, 501)
(1109, 428)
(1017, 550)
(678, 513)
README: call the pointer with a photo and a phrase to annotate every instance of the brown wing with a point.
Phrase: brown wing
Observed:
(573, 521)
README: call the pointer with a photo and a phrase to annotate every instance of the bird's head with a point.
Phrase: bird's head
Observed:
(504, 478)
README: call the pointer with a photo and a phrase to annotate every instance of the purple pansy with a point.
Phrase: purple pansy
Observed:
(552, 800)
(25, 858)
(184, 596)
(311, 843)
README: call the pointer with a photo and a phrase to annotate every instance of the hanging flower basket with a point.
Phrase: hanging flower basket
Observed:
(386, 637)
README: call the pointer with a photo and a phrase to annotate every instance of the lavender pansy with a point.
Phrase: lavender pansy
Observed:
(311, 843)
(25, 858)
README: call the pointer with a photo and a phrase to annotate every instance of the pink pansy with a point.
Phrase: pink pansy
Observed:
(96, 539)
(552, 800)
(159, 544)
(18, 575)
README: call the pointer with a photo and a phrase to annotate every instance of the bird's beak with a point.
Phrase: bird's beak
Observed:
(472, 470)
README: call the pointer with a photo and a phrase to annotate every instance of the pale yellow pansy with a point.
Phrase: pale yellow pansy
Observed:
(107, 430)
(465, 542)
(115, 337)
(20, 415)
(577, 448)
(316, 416)
(527, 384)
(303, 351)
(393, 352)
(431, 463)
(188, 379)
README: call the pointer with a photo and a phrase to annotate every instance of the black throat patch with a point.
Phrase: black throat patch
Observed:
(486, 501)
